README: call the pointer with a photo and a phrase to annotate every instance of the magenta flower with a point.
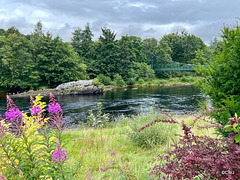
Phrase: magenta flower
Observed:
(113, 153)
(59, 155)
(54, 108)
(12, 114)
(36, 110)
(102, 169)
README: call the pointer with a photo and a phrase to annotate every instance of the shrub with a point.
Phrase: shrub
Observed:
(221, 76)
(131, 81)
(119, 80)
(104, 79)
(100, 119)
(184, 79)
(140, 81)
(198, 157)
(157, 134)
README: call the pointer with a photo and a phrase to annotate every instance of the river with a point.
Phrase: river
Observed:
(128, 101)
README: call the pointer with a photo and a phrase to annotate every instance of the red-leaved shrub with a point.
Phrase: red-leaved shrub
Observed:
(198, 156)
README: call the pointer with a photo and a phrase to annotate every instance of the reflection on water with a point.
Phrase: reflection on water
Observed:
(123, 101)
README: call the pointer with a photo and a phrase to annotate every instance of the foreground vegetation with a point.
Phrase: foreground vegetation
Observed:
(132, 156)
(97, 150)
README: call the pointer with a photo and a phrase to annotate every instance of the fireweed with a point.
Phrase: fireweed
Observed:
(199, 157)
(30, 146)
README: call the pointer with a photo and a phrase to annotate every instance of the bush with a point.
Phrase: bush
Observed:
(184, 79)
(131, 81)
(197, 157)
(221, 77)
(155, 135)
(119, 80)
(104, 79)
(100, 119)
(141, 81)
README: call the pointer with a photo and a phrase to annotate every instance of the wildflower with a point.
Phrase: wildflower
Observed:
(111, 160)
(123, 167)
(233, 121)
(54, 108)
(13, 113)
(59, 155)
(35, 110)
(102, 169)
(113, 153)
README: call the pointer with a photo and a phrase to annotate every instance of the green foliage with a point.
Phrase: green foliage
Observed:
(157, 134)
(221, 77)
(100, 119)
(82, 40)
(104, 79)
(17, 67)
(183, 45)
(149, 46)
(28, 62)
(119, 80)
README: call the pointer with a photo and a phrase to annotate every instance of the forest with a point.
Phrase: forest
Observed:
(28, 62)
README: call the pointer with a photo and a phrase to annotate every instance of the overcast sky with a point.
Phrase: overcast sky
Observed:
(143, 18)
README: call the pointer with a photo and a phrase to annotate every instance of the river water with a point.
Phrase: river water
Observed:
(122, 101)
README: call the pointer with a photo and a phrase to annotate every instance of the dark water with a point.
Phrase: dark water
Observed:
(122, 101)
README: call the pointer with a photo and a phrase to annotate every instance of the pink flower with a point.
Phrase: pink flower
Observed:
(54, 108)
(113, 153)
(36, 110)
(12, 114)
(59, 155)
(102, 169)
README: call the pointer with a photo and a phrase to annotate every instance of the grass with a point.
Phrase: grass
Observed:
(90, 149)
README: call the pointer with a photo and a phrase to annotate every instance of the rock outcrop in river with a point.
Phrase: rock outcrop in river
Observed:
(80, 87)
(74, 87)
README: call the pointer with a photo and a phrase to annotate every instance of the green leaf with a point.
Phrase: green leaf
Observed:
(237, 138)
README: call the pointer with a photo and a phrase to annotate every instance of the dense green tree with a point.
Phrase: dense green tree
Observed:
(183, 45)
(163, 50)
(12, 30)
(221, 78)
(17, 68)
(57, 62)
(137, 47)
(149, 46)
(82, 40)
(107, 60)
(2, 32)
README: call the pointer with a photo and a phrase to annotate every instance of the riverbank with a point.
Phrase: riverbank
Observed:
(112, 153)
(183, 81)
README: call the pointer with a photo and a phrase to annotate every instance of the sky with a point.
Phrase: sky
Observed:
(142, 18)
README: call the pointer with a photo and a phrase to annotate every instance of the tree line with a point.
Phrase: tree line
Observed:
(41, 60)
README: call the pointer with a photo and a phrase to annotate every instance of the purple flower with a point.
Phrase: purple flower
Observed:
(54, 108)
(13, 113)
(113, 153)
(35, 110)
(102, 169)
(111, 160)
(59, 155)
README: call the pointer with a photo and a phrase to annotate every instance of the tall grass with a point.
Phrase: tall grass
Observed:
(91, 148)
